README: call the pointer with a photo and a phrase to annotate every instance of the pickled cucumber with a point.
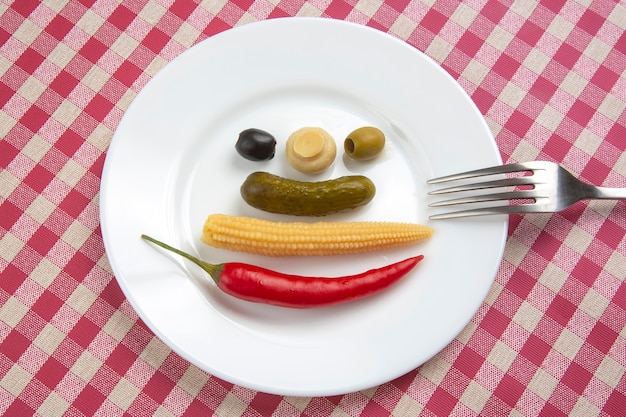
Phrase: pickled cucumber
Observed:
(275, 194)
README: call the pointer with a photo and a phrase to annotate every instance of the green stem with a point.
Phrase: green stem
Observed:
(212, 269)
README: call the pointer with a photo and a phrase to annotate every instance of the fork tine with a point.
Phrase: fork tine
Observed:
(498, 169)
(515, 208)
(481, 198)
(486, 184)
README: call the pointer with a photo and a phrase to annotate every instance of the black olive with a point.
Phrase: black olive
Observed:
(256, 145)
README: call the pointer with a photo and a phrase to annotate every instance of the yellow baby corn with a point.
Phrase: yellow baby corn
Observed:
(262, 237)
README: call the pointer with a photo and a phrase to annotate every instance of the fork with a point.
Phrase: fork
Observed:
(549, 188)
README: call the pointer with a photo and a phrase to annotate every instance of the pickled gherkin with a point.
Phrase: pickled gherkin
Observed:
(275, 194)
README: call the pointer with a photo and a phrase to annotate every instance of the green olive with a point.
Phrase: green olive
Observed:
(364, 143)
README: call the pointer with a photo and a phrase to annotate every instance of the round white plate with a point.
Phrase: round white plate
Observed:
(172, 162)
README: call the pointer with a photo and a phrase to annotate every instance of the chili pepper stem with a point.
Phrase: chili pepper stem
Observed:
(213, 270)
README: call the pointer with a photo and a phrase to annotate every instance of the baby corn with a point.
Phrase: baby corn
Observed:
(262, 237)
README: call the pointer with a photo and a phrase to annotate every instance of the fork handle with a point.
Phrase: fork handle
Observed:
(605, 193)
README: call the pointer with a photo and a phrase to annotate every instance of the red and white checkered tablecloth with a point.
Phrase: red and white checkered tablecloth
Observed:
(549, 76)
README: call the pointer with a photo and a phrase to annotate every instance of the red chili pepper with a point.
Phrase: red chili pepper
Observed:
(261, 285)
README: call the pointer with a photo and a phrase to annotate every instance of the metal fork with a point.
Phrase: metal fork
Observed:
(548, 188)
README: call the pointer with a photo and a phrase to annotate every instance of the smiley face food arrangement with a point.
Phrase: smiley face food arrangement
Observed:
(309, 150)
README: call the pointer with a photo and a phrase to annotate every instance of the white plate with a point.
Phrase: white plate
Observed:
(172, 162)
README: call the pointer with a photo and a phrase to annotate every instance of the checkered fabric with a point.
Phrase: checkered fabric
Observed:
(549, 76)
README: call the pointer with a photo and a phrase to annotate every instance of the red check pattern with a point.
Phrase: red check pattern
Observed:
(549, 340)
